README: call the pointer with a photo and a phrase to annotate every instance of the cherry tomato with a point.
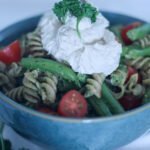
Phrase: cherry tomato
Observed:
(130, 102)
(11, 53)
(46, 110)
(72, 104)
(132, 71)
(127, 28)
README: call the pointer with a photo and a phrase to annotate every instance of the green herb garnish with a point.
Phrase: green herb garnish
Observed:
(77, 8)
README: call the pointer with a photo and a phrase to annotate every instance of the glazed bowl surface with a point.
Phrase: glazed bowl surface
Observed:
(57, 133)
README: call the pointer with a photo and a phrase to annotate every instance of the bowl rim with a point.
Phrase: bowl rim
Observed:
(35, 113)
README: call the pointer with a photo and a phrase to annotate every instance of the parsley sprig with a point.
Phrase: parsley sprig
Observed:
(76, 8)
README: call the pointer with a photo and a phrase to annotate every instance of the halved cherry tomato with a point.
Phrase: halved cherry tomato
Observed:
(46, 110)
(132, 71)
(130, 101)
(11, 53)
(73, 104)
(124, 31)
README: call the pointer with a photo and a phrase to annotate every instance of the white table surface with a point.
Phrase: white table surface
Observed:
(14, 10)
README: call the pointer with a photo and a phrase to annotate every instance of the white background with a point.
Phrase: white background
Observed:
(13, 10)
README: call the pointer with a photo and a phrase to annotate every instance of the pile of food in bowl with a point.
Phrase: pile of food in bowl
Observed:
(75, 65)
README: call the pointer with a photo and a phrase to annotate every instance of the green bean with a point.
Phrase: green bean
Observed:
(112, 103)
(99, 106)
(135, 53)
(51, 66)
(139, 32)
(82, 78)
(126, 49)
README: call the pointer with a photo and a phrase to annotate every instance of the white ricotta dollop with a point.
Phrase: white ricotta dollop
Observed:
(96, 51)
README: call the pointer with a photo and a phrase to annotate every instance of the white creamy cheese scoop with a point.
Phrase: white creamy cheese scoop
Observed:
(96, 51)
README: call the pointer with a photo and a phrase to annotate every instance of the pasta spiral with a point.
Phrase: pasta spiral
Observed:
(39, 87)
(32, 87)
(120, 92)
(6, 82)
(142, 64)
(134, 87)
(16, 94)
(48, 88)
(117, 80)
(145, 42)
(14, 70)
(146, 77)
(94, 85)
(32, 45)
(118, 77)
(2, 67)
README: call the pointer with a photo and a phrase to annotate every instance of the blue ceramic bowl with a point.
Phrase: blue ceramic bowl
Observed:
(56, 133)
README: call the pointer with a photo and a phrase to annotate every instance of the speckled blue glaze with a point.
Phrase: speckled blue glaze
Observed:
(56, 133)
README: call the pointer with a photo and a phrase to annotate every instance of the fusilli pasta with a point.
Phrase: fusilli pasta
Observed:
(48, 87)
(14, 70)
(117, 81)
(94, 85)
(6, 82)
(145, 42)
(146, 77)
(2, 67)
(120, 92)
(16, 94)
(39, 87)
(32, 45)
(143, 65)
(133, 87)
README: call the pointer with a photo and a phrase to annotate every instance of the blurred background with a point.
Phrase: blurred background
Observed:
(14, 10)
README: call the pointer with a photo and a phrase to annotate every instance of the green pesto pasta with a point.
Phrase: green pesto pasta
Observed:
(40, 87)
(42, 80)
(14, 70)
(32, 45)
(146, 77)
(133, 87)
(144, 42)
(6, 82)
(118, 77)
(16, 94)
(94, 85)
(142, 63)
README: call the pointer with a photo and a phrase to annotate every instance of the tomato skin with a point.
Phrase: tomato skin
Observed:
(130, 102)
(73, 104)
(46, 110)
(132, 71)
(127, 28)
(11, 53)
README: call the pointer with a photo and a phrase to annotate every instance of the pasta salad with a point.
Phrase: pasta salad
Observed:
(75, 65)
